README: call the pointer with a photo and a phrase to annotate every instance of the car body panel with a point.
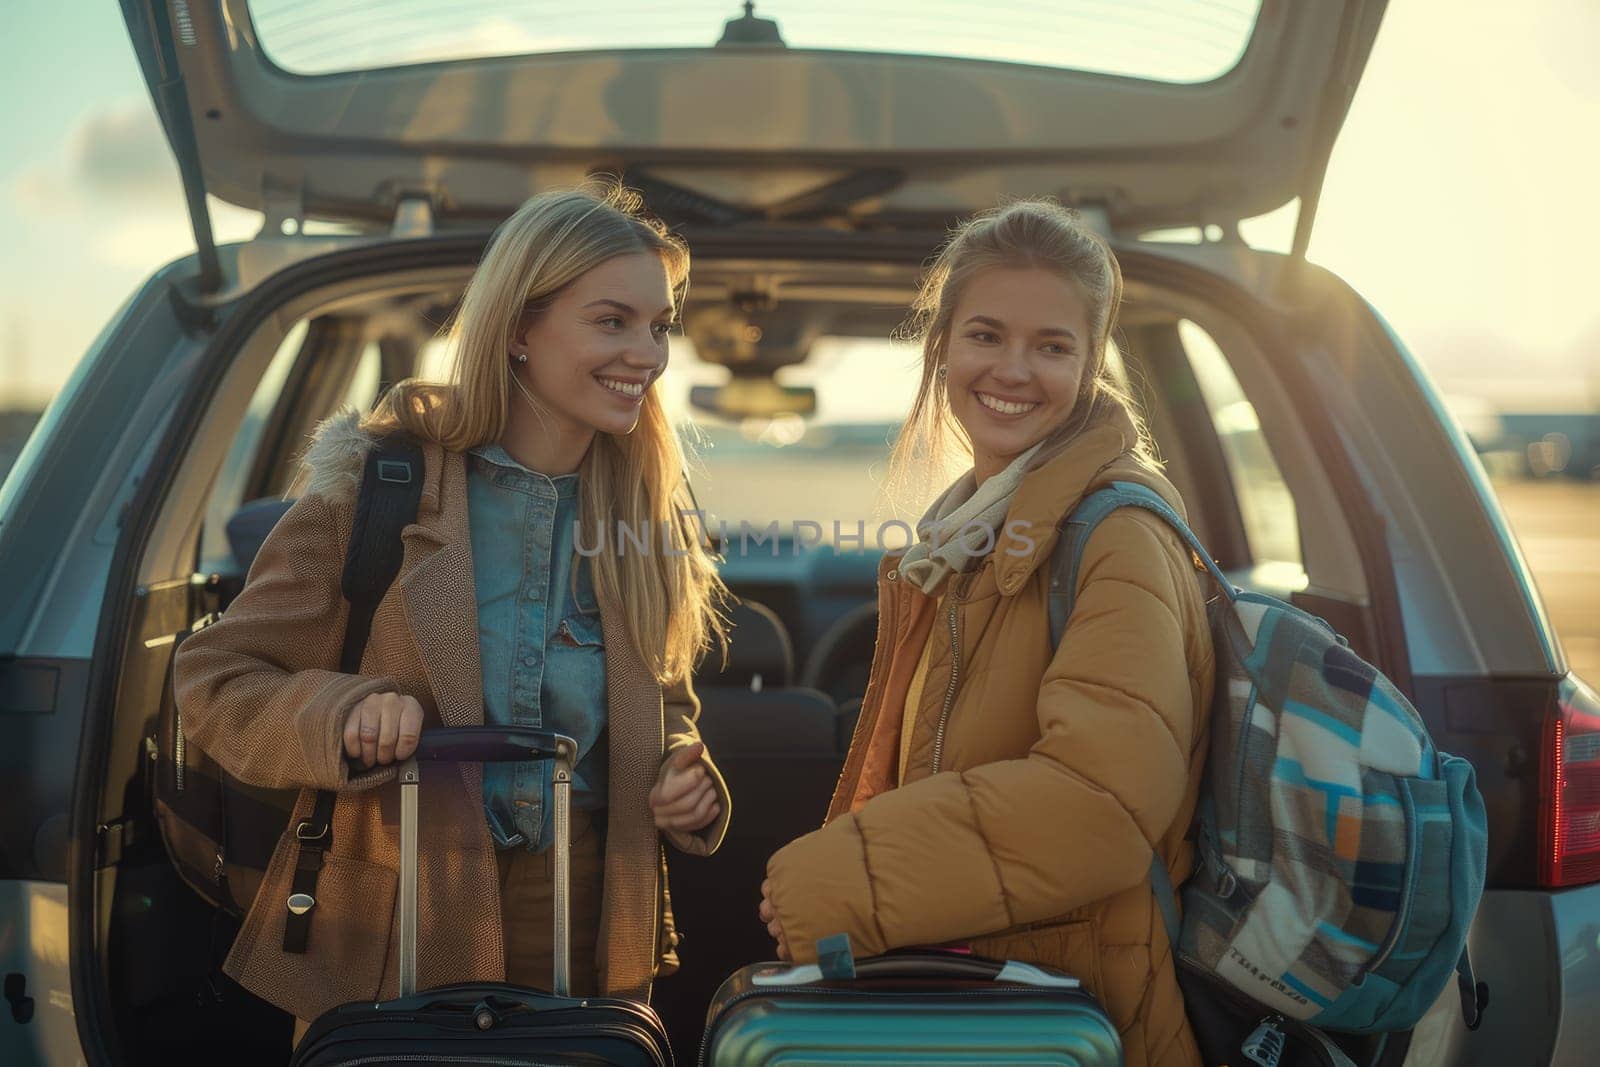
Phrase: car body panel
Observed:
(1468, 464)
(89, 447)
(1538, 952)
(33, 943)
(1414, 464)
(90, 450)
(943, 135)
(41, 714)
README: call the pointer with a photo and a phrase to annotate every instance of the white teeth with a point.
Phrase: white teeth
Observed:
(1004, 407)
(625, 388)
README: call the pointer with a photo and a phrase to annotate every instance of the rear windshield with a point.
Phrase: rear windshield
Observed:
(1181, 41)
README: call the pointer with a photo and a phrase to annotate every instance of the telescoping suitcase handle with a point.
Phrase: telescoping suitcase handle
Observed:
(488, 744)
(492, 744)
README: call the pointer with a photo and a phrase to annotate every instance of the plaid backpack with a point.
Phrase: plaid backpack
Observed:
(1342, 854)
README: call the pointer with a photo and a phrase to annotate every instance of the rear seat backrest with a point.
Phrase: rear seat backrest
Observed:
(762, 657)
(248, 528)
(777, 748)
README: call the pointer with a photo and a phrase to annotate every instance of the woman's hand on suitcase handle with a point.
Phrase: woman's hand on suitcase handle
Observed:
(383, 728)
(769, 915)
(684, 797)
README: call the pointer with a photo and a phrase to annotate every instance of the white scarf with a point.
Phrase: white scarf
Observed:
(963, 525)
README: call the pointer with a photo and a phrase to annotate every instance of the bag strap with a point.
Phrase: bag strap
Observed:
(1166, 899)
(391, 490)
(1081, 521)
(1065, 562)
(1474, 994)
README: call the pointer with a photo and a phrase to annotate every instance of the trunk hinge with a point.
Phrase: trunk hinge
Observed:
(283, 208)
(151, 31)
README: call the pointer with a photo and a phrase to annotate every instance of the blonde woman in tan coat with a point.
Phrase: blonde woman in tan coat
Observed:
(999, 792)
(512, 605)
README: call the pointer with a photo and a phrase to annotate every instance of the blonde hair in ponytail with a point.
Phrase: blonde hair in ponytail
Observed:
(672, 599)
(1026, 233)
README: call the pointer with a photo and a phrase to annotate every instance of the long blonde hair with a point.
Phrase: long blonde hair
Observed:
(671, 599)
(1025, 233)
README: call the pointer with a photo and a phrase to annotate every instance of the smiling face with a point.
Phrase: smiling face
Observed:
(595, 351)
(1019, 346)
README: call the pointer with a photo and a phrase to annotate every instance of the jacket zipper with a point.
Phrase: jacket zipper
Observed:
(955, 675)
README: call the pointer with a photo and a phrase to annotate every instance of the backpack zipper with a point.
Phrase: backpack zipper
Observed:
(179, 746)
(640, 1036)
(180, 743)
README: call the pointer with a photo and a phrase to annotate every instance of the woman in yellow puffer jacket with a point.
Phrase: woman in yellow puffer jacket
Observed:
(1000, 792)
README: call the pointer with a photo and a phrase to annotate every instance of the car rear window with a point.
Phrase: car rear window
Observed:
(1178, 41)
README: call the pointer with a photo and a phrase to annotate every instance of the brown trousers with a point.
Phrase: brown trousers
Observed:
(527, 911)
(527, 908)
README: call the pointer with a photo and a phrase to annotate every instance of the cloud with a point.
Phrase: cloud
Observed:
(121, 153)
(115, 191)
(148, 240)
(116, 158)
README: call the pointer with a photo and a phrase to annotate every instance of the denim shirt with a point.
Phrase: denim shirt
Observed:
(538, 637)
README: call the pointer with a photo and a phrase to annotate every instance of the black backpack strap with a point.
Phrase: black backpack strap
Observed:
(391, 489)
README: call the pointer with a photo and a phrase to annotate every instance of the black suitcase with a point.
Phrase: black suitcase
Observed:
(486, 1023)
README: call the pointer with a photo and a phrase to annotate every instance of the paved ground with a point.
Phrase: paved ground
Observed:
(1558, 525)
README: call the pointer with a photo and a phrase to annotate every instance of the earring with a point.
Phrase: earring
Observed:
(521, 357)
(943, 372)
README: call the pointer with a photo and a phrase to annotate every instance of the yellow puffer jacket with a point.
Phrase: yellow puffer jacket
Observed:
(1038, 779)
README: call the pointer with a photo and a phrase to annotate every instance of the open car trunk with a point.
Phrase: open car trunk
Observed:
(776, 158)
(157, 946)
(1180, 119)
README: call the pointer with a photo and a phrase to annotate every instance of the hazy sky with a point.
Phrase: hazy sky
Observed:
(1460, 198)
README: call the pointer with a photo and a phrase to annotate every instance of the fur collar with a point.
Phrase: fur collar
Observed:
(332, 463)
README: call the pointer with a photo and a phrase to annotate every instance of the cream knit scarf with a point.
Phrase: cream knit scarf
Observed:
(963, 525)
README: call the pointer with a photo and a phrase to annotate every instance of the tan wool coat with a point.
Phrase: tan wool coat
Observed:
(261, 693)
(1038, 780)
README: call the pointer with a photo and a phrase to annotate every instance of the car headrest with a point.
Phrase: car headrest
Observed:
(760, 654)
(248, 528)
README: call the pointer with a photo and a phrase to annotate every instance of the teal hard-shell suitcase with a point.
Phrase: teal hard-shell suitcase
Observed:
(908, 1008)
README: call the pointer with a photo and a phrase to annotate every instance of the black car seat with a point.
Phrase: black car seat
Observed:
(763, 658)
(776, 746)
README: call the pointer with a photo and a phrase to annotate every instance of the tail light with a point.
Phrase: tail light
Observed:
(1569, 791)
